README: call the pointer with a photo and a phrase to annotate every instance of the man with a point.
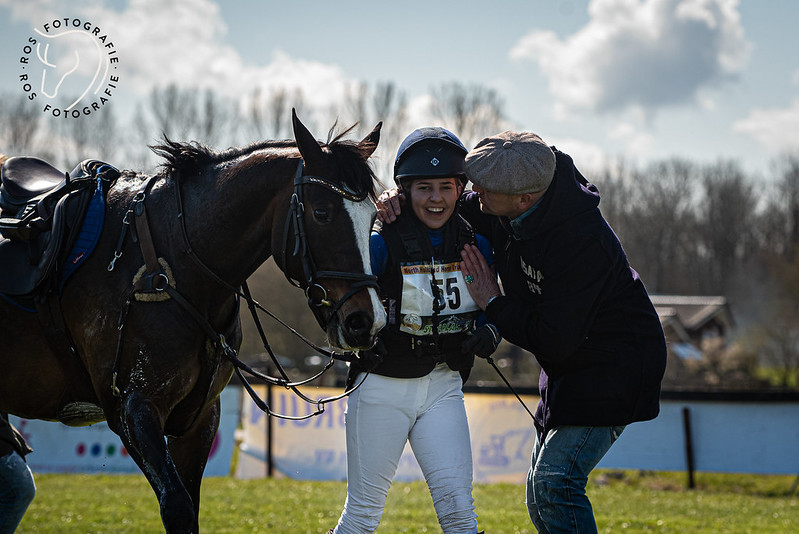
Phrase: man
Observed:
(572, 299)
(16, 481)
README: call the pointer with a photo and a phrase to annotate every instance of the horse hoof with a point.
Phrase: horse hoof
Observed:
(81, 414)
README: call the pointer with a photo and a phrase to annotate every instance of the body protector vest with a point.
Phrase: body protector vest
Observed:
(428, 306)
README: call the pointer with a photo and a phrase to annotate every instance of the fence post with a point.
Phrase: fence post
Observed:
(689, 447)
(269, 465)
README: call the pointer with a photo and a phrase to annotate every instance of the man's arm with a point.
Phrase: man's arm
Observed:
(554, 324)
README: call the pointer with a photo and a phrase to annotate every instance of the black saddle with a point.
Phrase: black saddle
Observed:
(41, 212)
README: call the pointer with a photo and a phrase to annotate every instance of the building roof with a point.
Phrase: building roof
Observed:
(692, 312)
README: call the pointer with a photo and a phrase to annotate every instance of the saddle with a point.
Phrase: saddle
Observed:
(42, 212)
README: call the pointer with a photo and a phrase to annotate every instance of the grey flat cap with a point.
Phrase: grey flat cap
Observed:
(511, 163)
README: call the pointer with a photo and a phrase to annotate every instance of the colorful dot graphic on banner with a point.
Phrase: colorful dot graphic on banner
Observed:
(96, 449)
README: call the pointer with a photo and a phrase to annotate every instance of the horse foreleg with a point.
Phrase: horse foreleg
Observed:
(190, 451)
(143, 435)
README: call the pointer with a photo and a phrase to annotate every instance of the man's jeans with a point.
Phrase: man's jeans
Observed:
(556, 499)
(16, 491)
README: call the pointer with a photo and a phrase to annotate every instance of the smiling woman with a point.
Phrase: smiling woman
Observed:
(433, 201)
(430, 343)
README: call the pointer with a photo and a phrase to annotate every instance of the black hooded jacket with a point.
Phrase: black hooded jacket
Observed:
(573, 300)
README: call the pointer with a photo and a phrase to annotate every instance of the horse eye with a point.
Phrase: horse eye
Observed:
(321, 215)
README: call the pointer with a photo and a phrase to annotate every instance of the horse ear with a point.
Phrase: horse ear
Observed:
(309, 147)
(369, 143)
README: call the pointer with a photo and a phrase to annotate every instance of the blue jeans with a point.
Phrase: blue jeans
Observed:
(556, 499)
(16, 491)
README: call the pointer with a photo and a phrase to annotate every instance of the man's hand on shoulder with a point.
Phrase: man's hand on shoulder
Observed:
(389, 205)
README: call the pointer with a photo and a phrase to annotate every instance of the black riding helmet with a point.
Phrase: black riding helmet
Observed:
(430, 152)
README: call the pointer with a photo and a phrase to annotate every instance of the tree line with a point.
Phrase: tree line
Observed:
(688, 228)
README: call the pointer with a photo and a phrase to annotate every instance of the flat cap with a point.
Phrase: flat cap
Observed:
(511, 163)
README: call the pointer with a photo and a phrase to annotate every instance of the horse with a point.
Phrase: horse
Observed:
(148, 341)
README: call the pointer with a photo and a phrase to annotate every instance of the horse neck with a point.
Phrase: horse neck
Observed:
(230, 212)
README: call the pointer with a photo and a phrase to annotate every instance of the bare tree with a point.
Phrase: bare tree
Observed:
(279, 109)
(367, 107)
(774, 336)
(174, 111)
(269, 118)
(21, 121)
(615, 184)
(661, 220)
(726, 221)
(390, 106)
(87, 136)
(471, 111)
(779, 223)
(214, 120)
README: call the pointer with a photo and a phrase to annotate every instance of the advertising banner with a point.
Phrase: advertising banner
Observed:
(58, 448)
(503, 436)
(315, 449)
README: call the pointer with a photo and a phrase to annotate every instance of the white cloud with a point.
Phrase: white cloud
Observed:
(587, 156)
(185, 44)
(777, 130)
(34, 11)
(642, 54)
(419, 111)
(631, 140)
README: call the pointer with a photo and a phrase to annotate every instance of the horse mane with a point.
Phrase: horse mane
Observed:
(350, 157)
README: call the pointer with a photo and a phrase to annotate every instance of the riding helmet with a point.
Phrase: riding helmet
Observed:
(430, 152)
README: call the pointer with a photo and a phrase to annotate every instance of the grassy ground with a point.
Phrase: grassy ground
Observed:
(623, 502)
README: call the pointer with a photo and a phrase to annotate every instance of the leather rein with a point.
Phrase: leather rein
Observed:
(156, 280)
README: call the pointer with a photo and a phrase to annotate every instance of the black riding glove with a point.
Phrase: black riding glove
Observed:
(482, 342)
(368, 360)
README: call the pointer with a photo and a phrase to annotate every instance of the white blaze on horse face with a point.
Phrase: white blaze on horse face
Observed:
(362, 214)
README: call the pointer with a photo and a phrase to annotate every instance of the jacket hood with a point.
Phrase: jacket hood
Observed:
(568, 196)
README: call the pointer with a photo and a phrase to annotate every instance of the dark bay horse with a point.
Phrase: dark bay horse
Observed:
(213, 218)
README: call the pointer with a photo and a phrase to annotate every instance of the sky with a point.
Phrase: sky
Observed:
(641, 80)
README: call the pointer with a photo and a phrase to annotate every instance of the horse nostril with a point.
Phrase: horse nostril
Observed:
(358, 323)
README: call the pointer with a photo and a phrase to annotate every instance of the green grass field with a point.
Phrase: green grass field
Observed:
(624, 501)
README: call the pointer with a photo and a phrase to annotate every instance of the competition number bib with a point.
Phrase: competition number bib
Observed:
(417, 298)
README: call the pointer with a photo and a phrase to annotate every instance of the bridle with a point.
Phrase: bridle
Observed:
(314, 291)
(156, 280)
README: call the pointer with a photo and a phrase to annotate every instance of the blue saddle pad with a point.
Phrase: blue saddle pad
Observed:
(89, 234)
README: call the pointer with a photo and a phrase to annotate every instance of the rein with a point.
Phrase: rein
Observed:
(157, 280)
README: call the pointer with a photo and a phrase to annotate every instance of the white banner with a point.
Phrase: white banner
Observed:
(503, 436)
(59, 448)
(315, 449)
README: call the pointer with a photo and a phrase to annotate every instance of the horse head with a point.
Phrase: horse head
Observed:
(325, 247)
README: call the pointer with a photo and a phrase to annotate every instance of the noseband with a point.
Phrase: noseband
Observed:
(314, 290)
